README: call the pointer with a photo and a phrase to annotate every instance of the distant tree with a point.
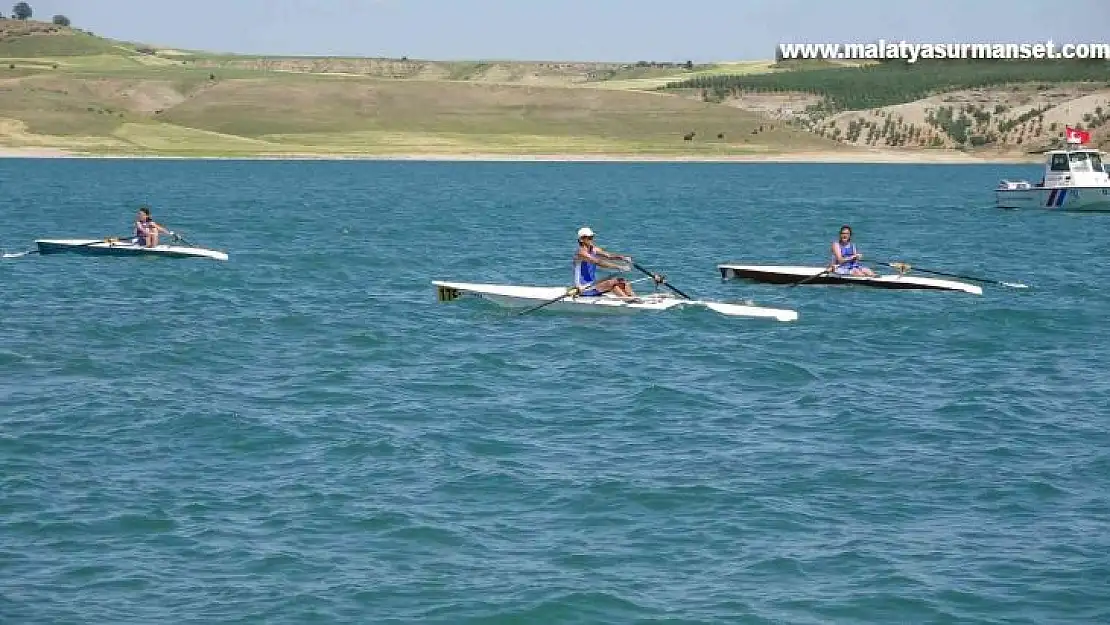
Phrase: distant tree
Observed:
(22, 11)
(61, 20)
(689, 65)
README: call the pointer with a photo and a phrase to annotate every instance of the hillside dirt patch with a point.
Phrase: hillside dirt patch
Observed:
(775, 105)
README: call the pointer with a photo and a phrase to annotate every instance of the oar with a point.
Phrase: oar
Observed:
(746, 310)
(663, 281)
(810, 278)
(178, 237)
(570, 292)
(574, 290)
(108, 240)
(905, 268)
(738, 310)
(732, 310)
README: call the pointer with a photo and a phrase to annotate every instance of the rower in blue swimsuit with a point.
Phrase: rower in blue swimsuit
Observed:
(586, 261)
(846, 258)
(146, 229)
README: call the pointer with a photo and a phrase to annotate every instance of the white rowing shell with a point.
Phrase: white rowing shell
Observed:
(99, 247)
(774, 274)
(528, 296)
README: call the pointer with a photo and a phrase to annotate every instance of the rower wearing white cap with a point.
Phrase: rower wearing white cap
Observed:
(586, 261)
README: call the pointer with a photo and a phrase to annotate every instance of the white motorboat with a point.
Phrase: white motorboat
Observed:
(776, 274)
(533, 296)
(1074, 180)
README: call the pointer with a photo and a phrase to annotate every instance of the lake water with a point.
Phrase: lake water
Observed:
(305, 435)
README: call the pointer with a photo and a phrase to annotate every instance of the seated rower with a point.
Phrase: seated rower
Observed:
(586, 261)
(146, 229)
(845, 257)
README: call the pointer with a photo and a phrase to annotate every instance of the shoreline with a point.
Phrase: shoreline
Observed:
(875, 157)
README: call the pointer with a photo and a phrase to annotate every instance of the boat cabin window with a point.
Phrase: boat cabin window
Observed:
(1096, 163)
(1059, 163)
(1081, 161)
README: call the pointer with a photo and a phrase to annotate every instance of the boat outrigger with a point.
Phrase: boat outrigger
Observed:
(1075, 179)
(123, 247)
(777, 274)
(559, 298)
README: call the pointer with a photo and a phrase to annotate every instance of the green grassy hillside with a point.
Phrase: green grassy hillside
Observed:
(31, 39)
(68, 89)
(305, 113)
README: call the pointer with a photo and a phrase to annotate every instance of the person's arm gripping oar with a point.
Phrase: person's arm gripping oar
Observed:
(660, 279)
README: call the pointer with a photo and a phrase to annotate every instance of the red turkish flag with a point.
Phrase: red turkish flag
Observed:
(1082, 136)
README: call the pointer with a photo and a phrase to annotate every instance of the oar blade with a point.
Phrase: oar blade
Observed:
(741, 310)
(906, 268)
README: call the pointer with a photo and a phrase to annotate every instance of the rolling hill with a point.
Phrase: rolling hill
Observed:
(985, 106)
(66, 89)
(63, 88)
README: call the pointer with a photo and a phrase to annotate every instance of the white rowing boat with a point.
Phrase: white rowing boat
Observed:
(530, 296)
(122, 247)
(792, 275)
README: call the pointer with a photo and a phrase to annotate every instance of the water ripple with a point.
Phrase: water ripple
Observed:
(304, 434)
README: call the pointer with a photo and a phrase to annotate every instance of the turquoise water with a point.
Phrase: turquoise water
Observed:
(305, 435)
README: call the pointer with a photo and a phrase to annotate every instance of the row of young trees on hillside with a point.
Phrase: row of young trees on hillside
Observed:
(858, 88)
(23, 11)
(966, 125)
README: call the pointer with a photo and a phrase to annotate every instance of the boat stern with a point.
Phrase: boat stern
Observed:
(64, 246)
(446, 293)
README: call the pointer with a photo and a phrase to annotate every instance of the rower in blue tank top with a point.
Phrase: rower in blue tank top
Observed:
(146, 229)
(846, 258)
(586, 261)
